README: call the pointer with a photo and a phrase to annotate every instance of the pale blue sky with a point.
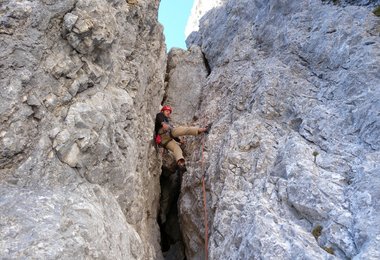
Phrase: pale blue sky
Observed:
(173, 15)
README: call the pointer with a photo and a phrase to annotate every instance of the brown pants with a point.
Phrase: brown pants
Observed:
(173, 146)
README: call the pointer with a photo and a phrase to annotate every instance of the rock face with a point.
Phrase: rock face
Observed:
(80, 84)
(186, 75)
(291, 163)
(292, 160)
(188, 70)
(199, 9)
(371, 3)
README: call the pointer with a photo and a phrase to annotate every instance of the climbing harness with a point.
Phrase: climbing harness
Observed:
(204, 198)
(159, 140)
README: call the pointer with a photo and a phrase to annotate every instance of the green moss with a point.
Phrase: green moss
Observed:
(336, 2)
(376, 11)
(317, 231)
(329, 250)
(315, 154)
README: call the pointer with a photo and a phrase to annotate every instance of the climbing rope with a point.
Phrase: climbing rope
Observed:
(204, 198)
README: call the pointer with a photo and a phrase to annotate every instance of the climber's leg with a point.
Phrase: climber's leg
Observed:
(176, 150)
(180, 131)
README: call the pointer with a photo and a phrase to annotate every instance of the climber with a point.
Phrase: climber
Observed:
(167, 136)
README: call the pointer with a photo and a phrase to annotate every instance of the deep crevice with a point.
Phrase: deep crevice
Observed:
(172, 245)
(207, 65)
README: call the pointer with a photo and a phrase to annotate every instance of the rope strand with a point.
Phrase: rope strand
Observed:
(204, 200)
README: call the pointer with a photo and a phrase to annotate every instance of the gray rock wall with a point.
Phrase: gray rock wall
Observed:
(292, 89)
(292, 159)
(80, 84)
(187, 74)
(371, 3)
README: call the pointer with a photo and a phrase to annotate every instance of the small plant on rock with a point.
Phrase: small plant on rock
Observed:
(329, 250)
(376, 11)
(317, 231)
(315, 154)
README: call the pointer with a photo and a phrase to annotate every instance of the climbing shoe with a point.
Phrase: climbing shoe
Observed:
(208, 128)
(181, 165)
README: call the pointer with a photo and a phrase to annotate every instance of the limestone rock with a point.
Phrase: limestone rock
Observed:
(293, 94)
(291, 162)
(68, 222)
(187, 73)
(199, 9)
(80, 84)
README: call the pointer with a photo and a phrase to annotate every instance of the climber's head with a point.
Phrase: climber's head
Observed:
(167, 110)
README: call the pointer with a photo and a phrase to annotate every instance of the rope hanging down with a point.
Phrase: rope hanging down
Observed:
(204, 199)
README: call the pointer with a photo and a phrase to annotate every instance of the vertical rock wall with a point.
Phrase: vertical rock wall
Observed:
(199, 9)
(186, 74)
(80, 83)
(292, 159)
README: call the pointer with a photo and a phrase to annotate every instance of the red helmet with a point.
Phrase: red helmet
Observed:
(166, 108)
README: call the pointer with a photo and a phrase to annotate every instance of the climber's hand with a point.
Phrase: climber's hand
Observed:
(165, 126)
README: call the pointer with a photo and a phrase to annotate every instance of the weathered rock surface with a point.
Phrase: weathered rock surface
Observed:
(191, 78)
(199, 9)
(80, 84)
(370, 3)
(292, 160)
